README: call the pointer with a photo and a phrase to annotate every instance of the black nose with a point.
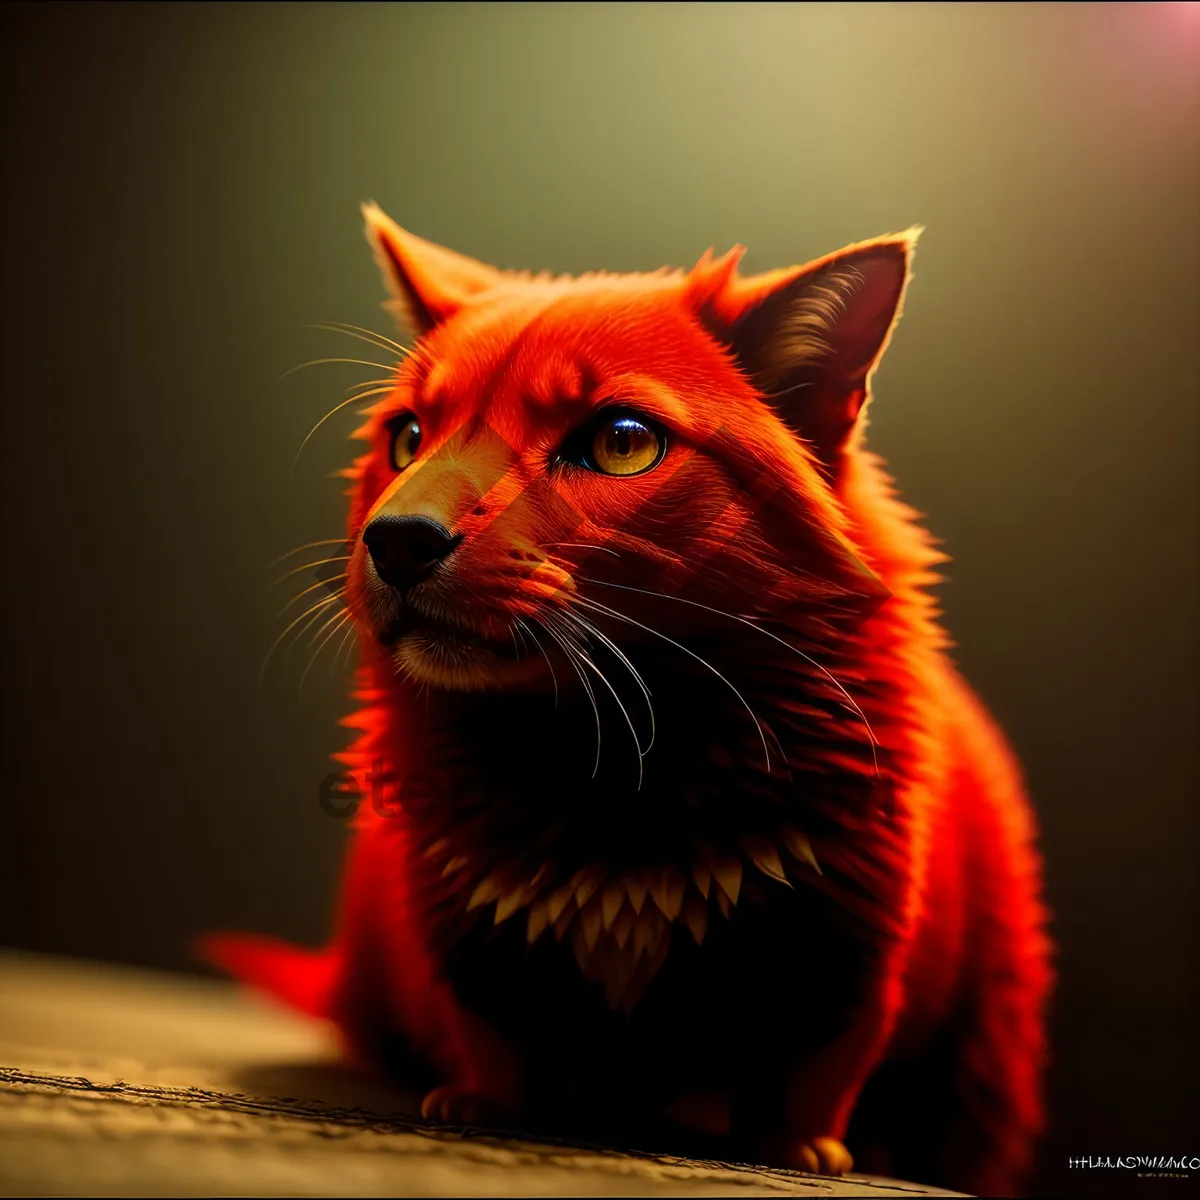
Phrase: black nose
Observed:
(406, 549)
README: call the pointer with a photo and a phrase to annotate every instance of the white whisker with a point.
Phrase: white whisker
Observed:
(321, 562)
(554, 678)
(591, 630)
(307, 546)
(379, 391)
(312, 587)
(585, 546)
(587, 687)
(342, 654)
(612, 612)
(851, 702)
(364, 335)
(316, 362)
(337, 621)
(311, 614)
(587, 661)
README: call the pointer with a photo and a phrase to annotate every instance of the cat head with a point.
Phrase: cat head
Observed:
(650, 452)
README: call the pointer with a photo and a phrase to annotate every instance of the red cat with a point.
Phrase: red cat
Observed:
(677, 815)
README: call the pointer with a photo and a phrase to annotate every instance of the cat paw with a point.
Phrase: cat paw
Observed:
(454, 1105)
(819, 1156)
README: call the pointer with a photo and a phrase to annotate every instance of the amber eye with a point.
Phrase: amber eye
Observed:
(406, 437)
(623, 445)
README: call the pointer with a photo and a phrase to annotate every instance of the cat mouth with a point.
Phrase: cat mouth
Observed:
(428, 632)
(450, 656)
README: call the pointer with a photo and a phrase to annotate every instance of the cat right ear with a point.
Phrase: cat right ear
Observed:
(427, 283)
(810, 337)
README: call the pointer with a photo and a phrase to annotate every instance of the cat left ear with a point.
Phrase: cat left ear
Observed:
(809, 337)
(428, 284)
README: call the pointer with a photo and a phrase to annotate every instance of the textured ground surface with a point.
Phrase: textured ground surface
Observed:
(115, 1081)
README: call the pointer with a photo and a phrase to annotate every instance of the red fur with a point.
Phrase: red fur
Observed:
(912, 961)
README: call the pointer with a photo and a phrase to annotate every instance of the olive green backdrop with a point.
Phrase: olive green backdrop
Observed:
(181, 191)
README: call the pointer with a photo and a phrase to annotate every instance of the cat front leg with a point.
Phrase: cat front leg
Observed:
(485, 1082)
(821, 1090)
(391, 986)
(793, 1109)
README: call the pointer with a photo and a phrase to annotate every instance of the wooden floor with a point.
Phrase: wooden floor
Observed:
(117, 1081)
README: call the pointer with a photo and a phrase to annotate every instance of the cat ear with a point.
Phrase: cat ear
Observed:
(809, 337)
(428, 283)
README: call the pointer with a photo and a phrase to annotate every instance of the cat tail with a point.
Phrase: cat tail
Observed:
(302, 979)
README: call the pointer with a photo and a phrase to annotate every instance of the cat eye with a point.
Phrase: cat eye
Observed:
(406, 438)
(623, 444)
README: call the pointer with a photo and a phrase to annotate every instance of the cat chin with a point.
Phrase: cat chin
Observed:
(461, 664)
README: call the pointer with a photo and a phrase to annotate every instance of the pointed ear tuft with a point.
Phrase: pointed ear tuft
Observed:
(427, 283)
(709, 279)
(810, 337)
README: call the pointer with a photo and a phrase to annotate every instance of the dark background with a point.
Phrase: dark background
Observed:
(180, 197)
